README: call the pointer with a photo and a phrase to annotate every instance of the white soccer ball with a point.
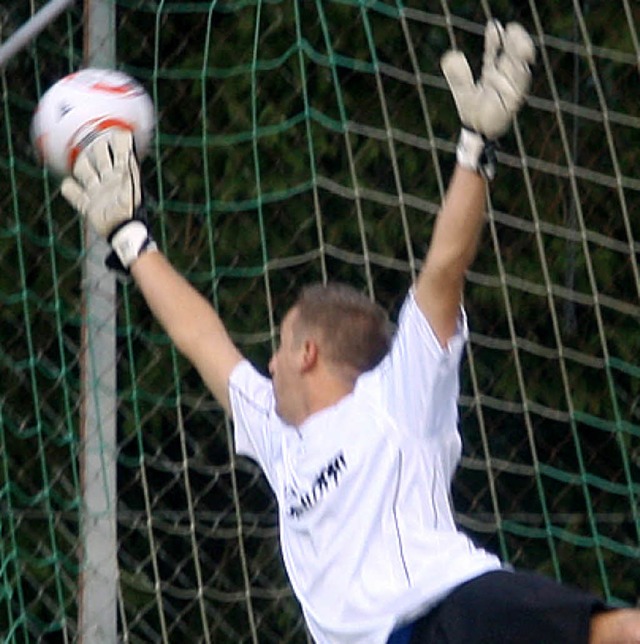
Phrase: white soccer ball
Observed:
(81, 106)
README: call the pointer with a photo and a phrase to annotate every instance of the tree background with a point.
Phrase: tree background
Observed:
(286, 133)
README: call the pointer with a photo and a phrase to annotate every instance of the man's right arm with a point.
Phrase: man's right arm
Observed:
(105, 188)
(190, 321)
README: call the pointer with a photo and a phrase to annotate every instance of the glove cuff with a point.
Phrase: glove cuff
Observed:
(130, 240)
(476, 152)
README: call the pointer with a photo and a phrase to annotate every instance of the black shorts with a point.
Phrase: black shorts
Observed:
(502, 607)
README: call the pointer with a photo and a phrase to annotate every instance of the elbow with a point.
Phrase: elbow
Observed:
(447, 268)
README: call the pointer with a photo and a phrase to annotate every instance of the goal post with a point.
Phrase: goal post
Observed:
(301, 141)
(31, 28)
(98, 573)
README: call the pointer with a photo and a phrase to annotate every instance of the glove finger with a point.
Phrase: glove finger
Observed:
(518, 54)
(514, 77)
(73, 192)
(125, 164)
(518, 44)
(121, 144)
(456, 71)
(101, 151)
(134, 173)
(84, 170)
(493, 43)
(459, 77)
(511, 73)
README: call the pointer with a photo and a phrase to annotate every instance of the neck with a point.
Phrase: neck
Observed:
(322, 393)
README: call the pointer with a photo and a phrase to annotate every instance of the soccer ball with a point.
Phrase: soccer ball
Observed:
(78, 108)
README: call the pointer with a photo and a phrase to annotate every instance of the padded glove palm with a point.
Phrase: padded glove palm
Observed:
(105, 188)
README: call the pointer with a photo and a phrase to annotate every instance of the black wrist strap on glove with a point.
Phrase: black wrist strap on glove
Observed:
(476, 152)
(128, 241)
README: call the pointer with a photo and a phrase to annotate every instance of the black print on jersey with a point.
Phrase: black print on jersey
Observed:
(329, 475)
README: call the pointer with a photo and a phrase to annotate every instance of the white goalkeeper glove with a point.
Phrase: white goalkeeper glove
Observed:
(487, 107)
(105, 188)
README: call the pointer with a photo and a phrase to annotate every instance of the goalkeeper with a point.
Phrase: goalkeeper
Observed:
(356, 431)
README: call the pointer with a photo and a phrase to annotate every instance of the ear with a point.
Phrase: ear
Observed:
(309, 355)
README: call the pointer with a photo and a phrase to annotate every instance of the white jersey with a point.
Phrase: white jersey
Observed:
(366, 527)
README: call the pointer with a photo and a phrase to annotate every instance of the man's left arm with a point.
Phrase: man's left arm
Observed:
(486, 109)
(454, 244)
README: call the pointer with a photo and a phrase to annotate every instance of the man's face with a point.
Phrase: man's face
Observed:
(285, 369)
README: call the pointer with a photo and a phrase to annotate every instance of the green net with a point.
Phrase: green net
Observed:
(301, 141)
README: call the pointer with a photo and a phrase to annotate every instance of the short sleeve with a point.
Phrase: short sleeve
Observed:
(253, 412)
(419, 378)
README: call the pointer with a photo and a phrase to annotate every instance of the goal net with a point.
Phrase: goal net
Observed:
(301, 141)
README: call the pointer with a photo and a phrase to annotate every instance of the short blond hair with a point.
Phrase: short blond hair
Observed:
(355, 331)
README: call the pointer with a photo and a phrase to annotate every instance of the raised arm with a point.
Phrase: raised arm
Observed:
(189, 320)
(453, 246)
(105, 187)
(486, 109)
